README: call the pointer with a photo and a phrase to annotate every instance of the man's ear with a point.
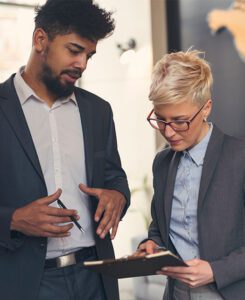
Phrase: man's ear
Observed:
(40, 40)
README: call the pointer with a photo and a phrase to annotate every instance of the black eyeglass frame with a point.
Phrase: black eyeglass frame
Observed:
(187, 122)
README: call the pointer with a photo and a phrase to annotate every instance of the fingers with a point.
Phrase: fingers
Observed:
(90, 191)
(51, 198)
(178, 270)
(114, 228)
(111, 204)
(116, 224)
(53, 211)
(40, 219)
(150, 246)
(57, 220)
(177, 274)
(198, 273)
(142, 247)
(44, 229)
(184, 270)
(109, 209)
(141, 251)
(55, 231)
(96, 193)
(192, 262)
(59, 212)
(111, 221)
(146, 248)
(102, 206)
(108, 220)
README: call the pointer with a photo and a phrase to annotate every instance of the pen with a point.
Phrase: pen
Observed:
(160, 248)
(62, 205)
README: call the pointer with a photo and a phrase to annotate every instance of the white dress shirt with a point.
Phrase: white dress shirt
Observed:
(58, 138)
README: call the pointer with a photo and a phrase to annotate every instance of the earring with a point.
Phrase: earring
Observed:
(205, 119)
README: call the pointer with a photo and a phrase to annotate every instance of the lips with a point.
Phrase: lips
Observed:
(174, 142)
(72, 75)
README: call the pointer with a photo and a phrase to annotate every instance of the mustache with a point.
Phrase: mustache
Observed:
(73, 73)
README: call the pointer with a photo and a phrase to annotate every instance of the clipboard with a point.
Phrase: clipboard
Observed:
(135, 266)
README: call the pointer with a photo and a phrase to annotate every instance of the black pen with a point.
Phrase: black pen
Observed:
(160, 248)
(62, 205)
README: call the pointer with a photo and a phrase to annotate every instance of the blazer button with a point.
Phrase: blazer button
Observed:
(42, 244)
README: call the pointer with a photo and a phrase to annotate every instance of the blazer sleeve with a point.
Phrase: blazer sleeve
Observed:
(231, 268)
(153, 232)
(9, 240)
(115, 177)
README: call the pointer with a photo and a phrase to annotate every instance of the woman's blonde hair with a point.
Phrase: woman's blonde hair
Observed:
(181, 76)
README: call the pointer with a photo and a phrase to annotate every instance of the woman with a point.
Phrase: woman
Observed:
(198, 203)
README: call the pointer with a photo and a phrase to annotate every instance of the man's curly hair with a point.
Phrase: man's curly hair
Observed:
(82, 17)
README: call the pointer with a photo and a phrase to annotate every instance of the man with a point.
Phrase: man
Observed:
(58, 142)
(198, 204)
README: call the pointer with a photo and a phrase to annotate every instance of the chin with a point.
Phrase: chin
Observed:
(179, 148)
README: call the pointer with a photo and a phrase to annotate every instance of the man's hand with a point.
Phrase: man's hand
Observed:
(111, 205)
(197, 274)
(40, 219)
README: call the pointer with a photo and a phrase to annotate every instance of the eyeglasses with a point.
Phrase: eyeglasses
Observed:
(178, 125)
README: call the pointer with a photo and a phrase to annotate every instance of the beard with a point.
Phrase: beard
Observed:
(54, 84)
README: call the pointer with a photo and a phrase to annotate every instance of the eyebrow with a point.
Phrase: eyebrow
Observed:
(81, 48)
(183, 117)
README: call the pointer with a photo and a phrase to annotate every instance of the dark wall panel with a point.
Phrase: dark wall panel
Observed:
(188, 18)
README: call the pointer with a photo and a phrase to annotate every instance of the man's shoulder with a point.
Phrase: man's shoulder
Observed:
(6, 85)
(93, 99)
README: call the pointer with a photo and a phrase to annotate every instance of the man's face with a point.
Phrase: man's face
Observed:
(180, 141)
(64, 60)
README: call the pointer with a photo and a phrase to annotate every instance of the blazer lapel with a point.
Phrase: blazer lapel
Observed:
(168, 194)
(85, 109)
(11, 108)
(210, 161)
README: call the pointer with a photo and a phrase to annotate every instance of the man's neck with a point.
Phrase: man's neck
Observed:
(33, 80)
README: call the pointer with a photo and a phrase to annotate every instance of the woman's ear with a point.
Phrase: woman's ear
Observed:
(207, 110)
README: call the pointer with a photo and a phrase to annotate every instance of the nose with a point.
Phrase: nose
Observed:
(168, 131)
(81, 62)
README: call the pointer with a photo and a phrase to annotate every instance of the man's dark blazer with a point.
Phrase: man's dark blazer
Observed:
(21, 182)
(220, 212)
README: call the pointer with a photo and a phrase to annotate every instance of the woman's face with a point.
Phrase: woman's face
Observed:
(185, 110)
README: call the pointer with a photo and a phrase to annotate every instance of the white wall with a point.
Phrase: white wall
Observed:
(16, 26)
(126, 87)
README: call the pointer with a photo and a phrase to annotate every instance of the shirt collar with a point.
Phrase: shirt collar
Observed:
(25, 92)
(197, 153)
